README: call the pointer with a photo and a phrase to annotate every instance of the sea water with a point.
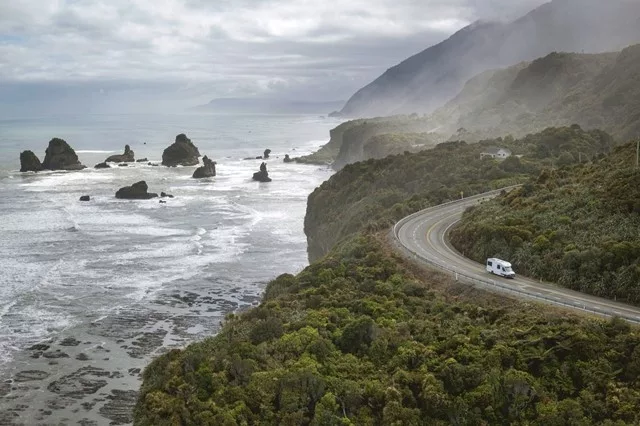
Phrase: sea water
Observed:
(91, 291)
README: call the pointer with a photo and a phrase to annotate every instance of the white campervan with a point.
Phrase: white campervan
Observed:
(500, 267)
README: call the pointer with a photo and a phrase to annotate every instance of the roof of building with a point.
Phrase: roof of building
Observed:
(495, 150)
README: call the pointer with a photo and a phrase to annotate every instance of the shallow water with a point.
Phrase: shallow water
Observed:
(125, 280)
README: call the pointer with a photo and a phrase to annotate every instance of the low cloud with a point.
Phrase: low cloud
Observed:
(204, 49)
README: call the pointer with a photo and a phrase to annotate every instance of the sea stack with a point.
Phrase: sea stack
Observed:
(137, 191)
(60, 156)
(287, 159)
(127, 157)
(262, 175)
(29, 162)
(181, 152)
(208, 169)
(266, 153)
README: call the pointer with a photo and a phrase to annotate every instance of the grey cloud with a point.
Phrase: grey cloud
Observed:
(199, 48)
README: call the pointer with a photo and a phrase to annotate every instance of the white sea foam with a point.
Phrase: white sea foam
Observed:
(64, 261)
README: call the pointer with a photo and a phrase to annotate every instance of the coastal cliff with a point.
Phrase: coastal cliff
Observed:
(358, 339)
(560, 89)
(373, 194)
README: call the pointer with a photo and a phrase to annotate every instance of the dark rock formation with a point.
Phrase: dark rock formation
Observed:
(102, 165)
(123, 165)
(137, 191)
(182, 151)
(85, 198)
(152, 164)
(287, 159)
(207, 170)
(142, 160)
(266, 153)
(262, 175)
(29, 162)
(165, 195)
(162, 202)
(127, 157)
(60, 156)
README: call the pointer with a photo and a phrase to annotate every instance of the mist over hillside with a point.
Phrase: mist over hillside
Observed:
(428, 79)
(592, 90)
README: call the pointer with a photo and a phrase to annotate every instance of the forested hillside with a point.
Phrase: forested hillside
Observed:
(595, 91)
(577, 225)
(360, 337)
(356, 339)
(376, 193)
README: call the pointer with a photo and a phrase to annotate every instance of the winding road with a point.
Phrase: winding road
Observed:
(423, 236)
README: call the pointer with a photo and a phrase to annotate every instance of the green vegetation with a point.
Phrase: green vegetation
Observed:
(350, 140)
(355, 339)
(362, 338)
(593, 90)
(328, 153)
(374, 194)
(578, 226)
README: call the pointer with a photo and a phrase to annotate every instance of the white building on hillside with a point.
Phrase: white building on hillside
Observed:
(495, 152)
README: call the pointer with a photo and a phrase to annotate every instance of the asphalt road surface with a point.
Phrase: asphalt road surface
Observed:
(423, 236)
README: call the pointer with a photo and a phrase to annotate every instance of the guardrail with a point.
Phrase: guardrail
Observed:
(489, 283)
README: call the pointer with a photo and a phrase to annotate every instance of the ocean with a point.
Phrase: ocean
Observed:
(91, 291)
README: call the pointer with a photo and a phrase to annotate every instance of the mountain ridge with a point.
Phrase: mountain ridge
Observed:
(592, 90)
(426, 80)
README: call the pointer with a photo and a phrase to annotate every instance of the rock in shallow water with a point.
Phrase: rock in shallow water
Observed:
(137, 191)
(127, 157)
(262, 175)
(29, 162)
(207, 170)
(60, 156)
(181, 152)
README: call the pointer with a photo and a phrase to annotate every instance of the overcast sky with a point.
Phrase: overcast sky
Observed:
(202, 49)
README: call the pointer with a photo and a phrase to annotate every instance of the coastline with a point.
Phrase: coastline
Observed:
(89, 373)
(92, 374)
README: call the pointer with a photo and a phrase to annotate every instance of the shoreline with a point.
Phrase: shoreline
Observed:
(92, 374)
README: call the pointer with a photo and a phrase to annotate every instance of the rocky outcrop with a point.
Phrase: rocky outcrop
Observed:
(85, 198)
(165, 195)
(181, 152)
(29, 162)
(207, 170)
(264, 156)
(127, 157)
(60, 156)
(262, 175)
(287, 159)
(102, 165)
(137, 191)
(142, 160)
